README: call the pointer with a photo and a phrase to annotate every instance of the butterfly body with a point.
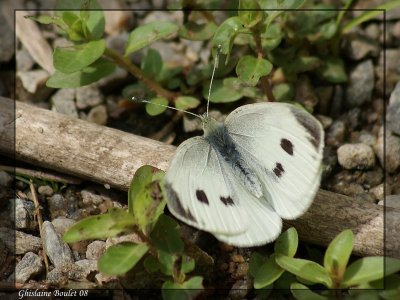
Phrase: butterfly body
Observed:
(218, 136)
(243, 176)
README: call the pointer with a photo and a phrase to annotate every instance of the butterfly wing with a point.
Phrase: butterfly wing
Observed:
(198, 190)
(265, 224)
(284, 146)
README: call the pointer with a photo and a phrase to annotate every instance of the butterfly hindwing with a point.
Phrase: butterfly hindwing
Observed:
(264, 226)
(285, 145)
(198, 190)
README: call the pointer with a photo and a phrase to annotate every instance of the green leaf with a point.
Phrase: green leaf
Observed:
(284, 281)
(338, 253)
(152, 63)
(369, 269)
(235, 84)
(167, 262)
(287, 242)
(301, 292)
(120, 258)
(70, 18)
(277, 7)
(249, 13)
(250, 69)
(92, 19)
(271, 36)
(392, 288)
(332, 70)
(87, 75)
(221, 93)
(75, 58)
(328, 30)
(154, 109)
(151, 264)
(186, 102)
(368, 15)
(46, 20)
(187, 290)
(145, 199)
(302, 64)
(165, 235)
(256, 260)
(268, 273)
(188, 264)
(283, 92)
(306, 269)
(114, 222)
(197, 32)
(225, 35)
(146, 34)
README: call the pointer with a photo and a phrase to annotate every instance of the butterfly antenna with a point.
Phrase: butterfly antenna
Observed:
(166, 106)
(212, 76)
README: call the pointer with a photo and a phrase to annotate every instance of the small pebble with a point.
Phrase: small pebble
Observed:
(241, 270)
(95, 249)
(240, 289)
(361, 84)
(356, 156)
(23, 242)
(373, 31)
(336, 133)
(88, 96)
(58, 252)
(57, 277)
(57, 206)
(88, 266)
(24, 60)
(62, 224)
(63, 102)
(5, 179)
(393, 110)
(391, 161)
(24, 214)
(30, 265)
(237, 258)
(98, 115)
(34, 80)
(325, 121)
(378, 191)
(90, 196)
(359, 47)
(45, 190)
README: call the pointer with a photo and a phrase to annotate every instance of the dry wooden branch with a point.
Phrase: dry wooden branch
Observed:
(106, 155)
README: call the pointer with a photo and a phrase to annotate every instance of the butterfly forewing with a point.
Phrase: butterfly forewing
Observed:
(285, 144)
(198, 190)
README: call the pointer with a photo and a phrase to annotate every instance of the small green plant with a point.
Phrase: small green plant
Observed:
(362, 277)
(273, 45)
(161, 248)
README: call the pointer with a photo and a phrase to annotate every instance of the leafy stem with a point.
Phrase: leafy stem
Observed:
(265, 86)
(124, 63)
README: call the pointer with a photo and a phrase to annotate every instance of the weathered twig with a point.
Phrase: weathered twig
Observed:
(106, 155)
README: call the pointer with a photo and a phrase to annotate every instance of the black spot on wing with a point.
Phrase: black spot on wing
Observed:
(310, 125)
(201, 196)
(278, 170)
(227, 200)
(287, 146)
(176, 203)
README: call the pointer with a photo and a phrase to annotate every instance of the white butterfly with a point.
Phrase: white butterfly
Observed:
(243, 176)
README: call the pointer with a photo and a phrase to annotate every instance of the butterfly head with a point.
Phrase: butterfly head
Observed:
(209, 124)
